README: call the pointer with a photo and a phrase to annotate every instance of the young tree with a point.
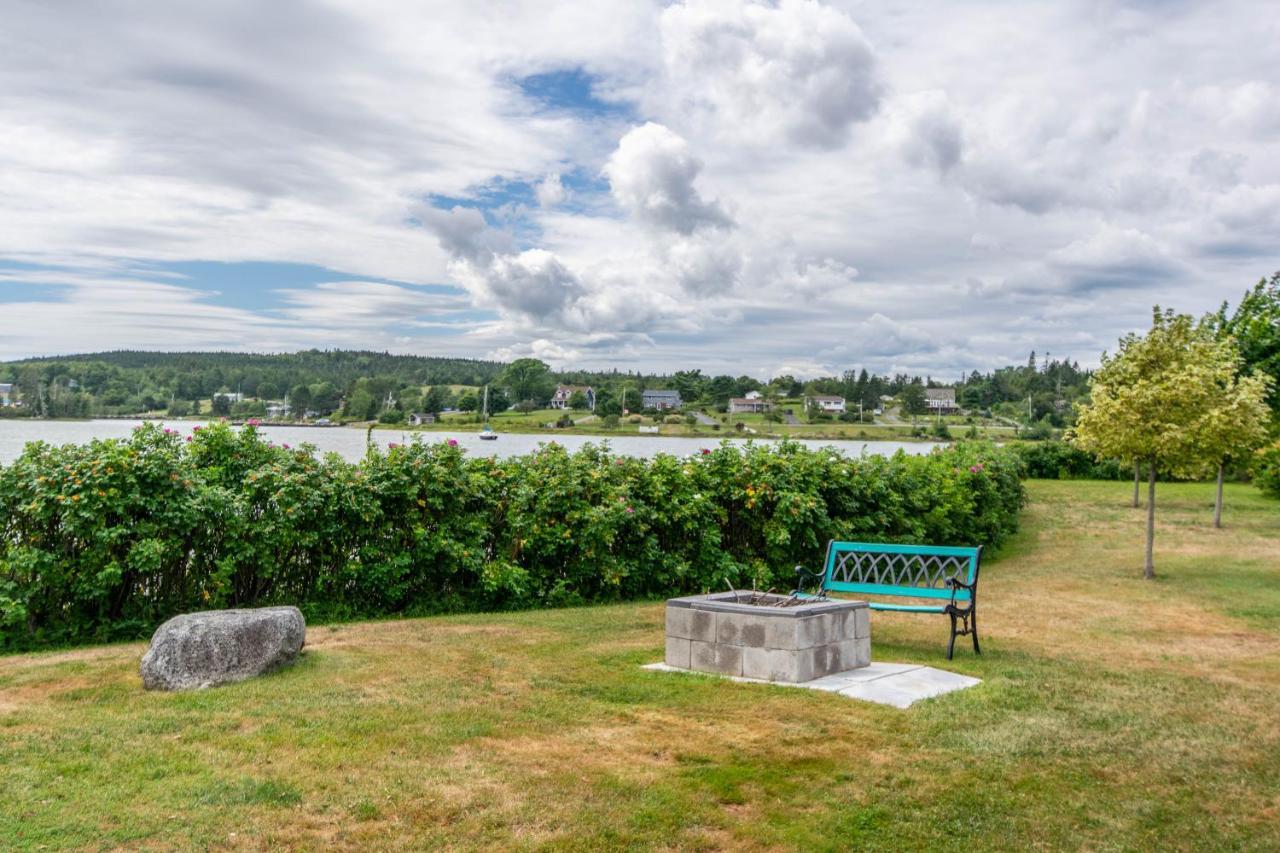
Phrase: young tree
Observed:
(578, 400)
(221, 405)
(1236, 424)
(1149, 399)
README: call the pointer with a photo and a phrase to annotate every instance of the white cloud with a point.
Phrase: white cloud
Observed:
(551, 191)
(651, 176)
(797, 71)
(936, 186)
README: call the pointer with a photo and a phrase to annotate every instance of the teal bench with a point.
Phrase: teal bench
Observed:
(947, 577)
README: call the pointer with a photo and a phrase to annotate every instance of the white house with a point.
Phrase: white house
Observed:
(748, 404)
(941, 401)
(827, 404)
(560, 399)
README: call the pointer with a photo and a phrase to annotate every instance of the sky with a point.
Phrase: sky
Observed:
(745, 187)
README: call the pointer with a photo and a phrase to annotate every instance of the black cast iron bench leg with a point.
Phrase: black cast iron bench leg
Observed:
(951, 644)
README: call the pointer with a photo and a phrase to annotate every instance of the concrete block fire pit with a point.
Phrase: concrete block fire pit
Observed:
(766, 636)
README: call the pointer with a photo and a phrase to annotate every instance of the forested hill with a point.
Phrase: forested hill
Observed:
(200, 374)
(337, 366)
(129, 381)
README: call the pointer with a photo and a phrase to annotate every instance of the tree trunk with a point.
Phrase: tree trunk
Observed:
(1217, 507)
(1149, 570)
(1137, 471)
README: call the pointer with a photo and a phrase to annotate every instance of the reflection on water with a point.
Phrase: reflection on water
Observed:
(350, 443)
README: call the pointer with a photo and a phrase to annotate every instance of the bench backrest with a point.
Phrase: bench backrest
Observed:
(918, 571)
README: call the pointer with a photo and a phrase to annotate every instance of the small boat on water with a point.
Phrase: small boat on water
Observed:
(487, 434)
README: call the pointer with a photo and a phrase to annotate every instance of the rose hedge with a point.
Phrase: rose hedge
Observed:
(1058, 460)
(105, 540)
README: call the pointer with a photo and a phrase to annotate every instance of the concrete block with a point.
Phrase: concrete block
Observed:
(702, 626)
(781, 634)
(740, 629)
(702, 656)
(680, 622)
(769, 664)
(862, 622)
(817, 630)
(825, 660)
(678, 652)
(729, 660)
(802, 666)
(854, 653)
(712, 657)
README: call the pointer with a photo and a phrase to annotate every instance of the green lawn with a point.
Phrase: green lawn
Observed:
(1115, 714)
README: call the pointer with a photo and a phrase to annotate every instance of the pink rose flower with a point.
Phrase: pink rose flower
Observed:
(453, 442)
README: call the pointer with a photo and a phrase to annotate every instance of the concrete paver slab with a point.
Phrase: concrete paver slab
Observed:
(898, 684)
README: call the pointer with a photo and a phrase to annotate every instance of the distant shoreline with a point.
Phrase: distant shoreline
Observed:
(866, 432)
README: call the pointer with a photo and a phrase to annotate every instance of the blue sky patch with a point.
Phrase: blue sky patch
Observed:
(570, 89)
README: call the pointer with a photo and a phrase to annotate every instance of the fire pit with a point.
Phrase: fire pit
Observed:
(767, 636)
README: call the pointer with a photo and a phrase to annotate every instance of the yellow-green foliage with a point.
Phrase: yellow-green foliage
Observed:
(1164, 397)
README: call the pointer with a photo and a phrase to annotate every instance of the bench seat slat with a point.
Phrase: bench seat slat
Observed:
(907, 608)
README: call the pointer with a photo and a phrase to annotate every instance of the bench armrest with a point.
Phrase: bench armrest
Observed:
(808, 576)
(956, 585)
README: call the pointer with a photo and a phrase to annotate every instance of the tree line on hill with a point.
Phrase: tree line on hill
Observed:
(369, 385)
(1041, 393)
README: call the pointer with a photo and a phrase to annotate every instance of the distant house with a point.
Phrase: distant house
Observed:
(277, 410)
(564, 393)
(748, 404)
(941, 401)
(6, 393)
(421, 418)
(827, 404)
(661, 399)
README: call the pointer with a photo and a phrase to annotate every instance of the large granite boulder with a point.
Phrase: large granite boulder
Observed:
(221, 646)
